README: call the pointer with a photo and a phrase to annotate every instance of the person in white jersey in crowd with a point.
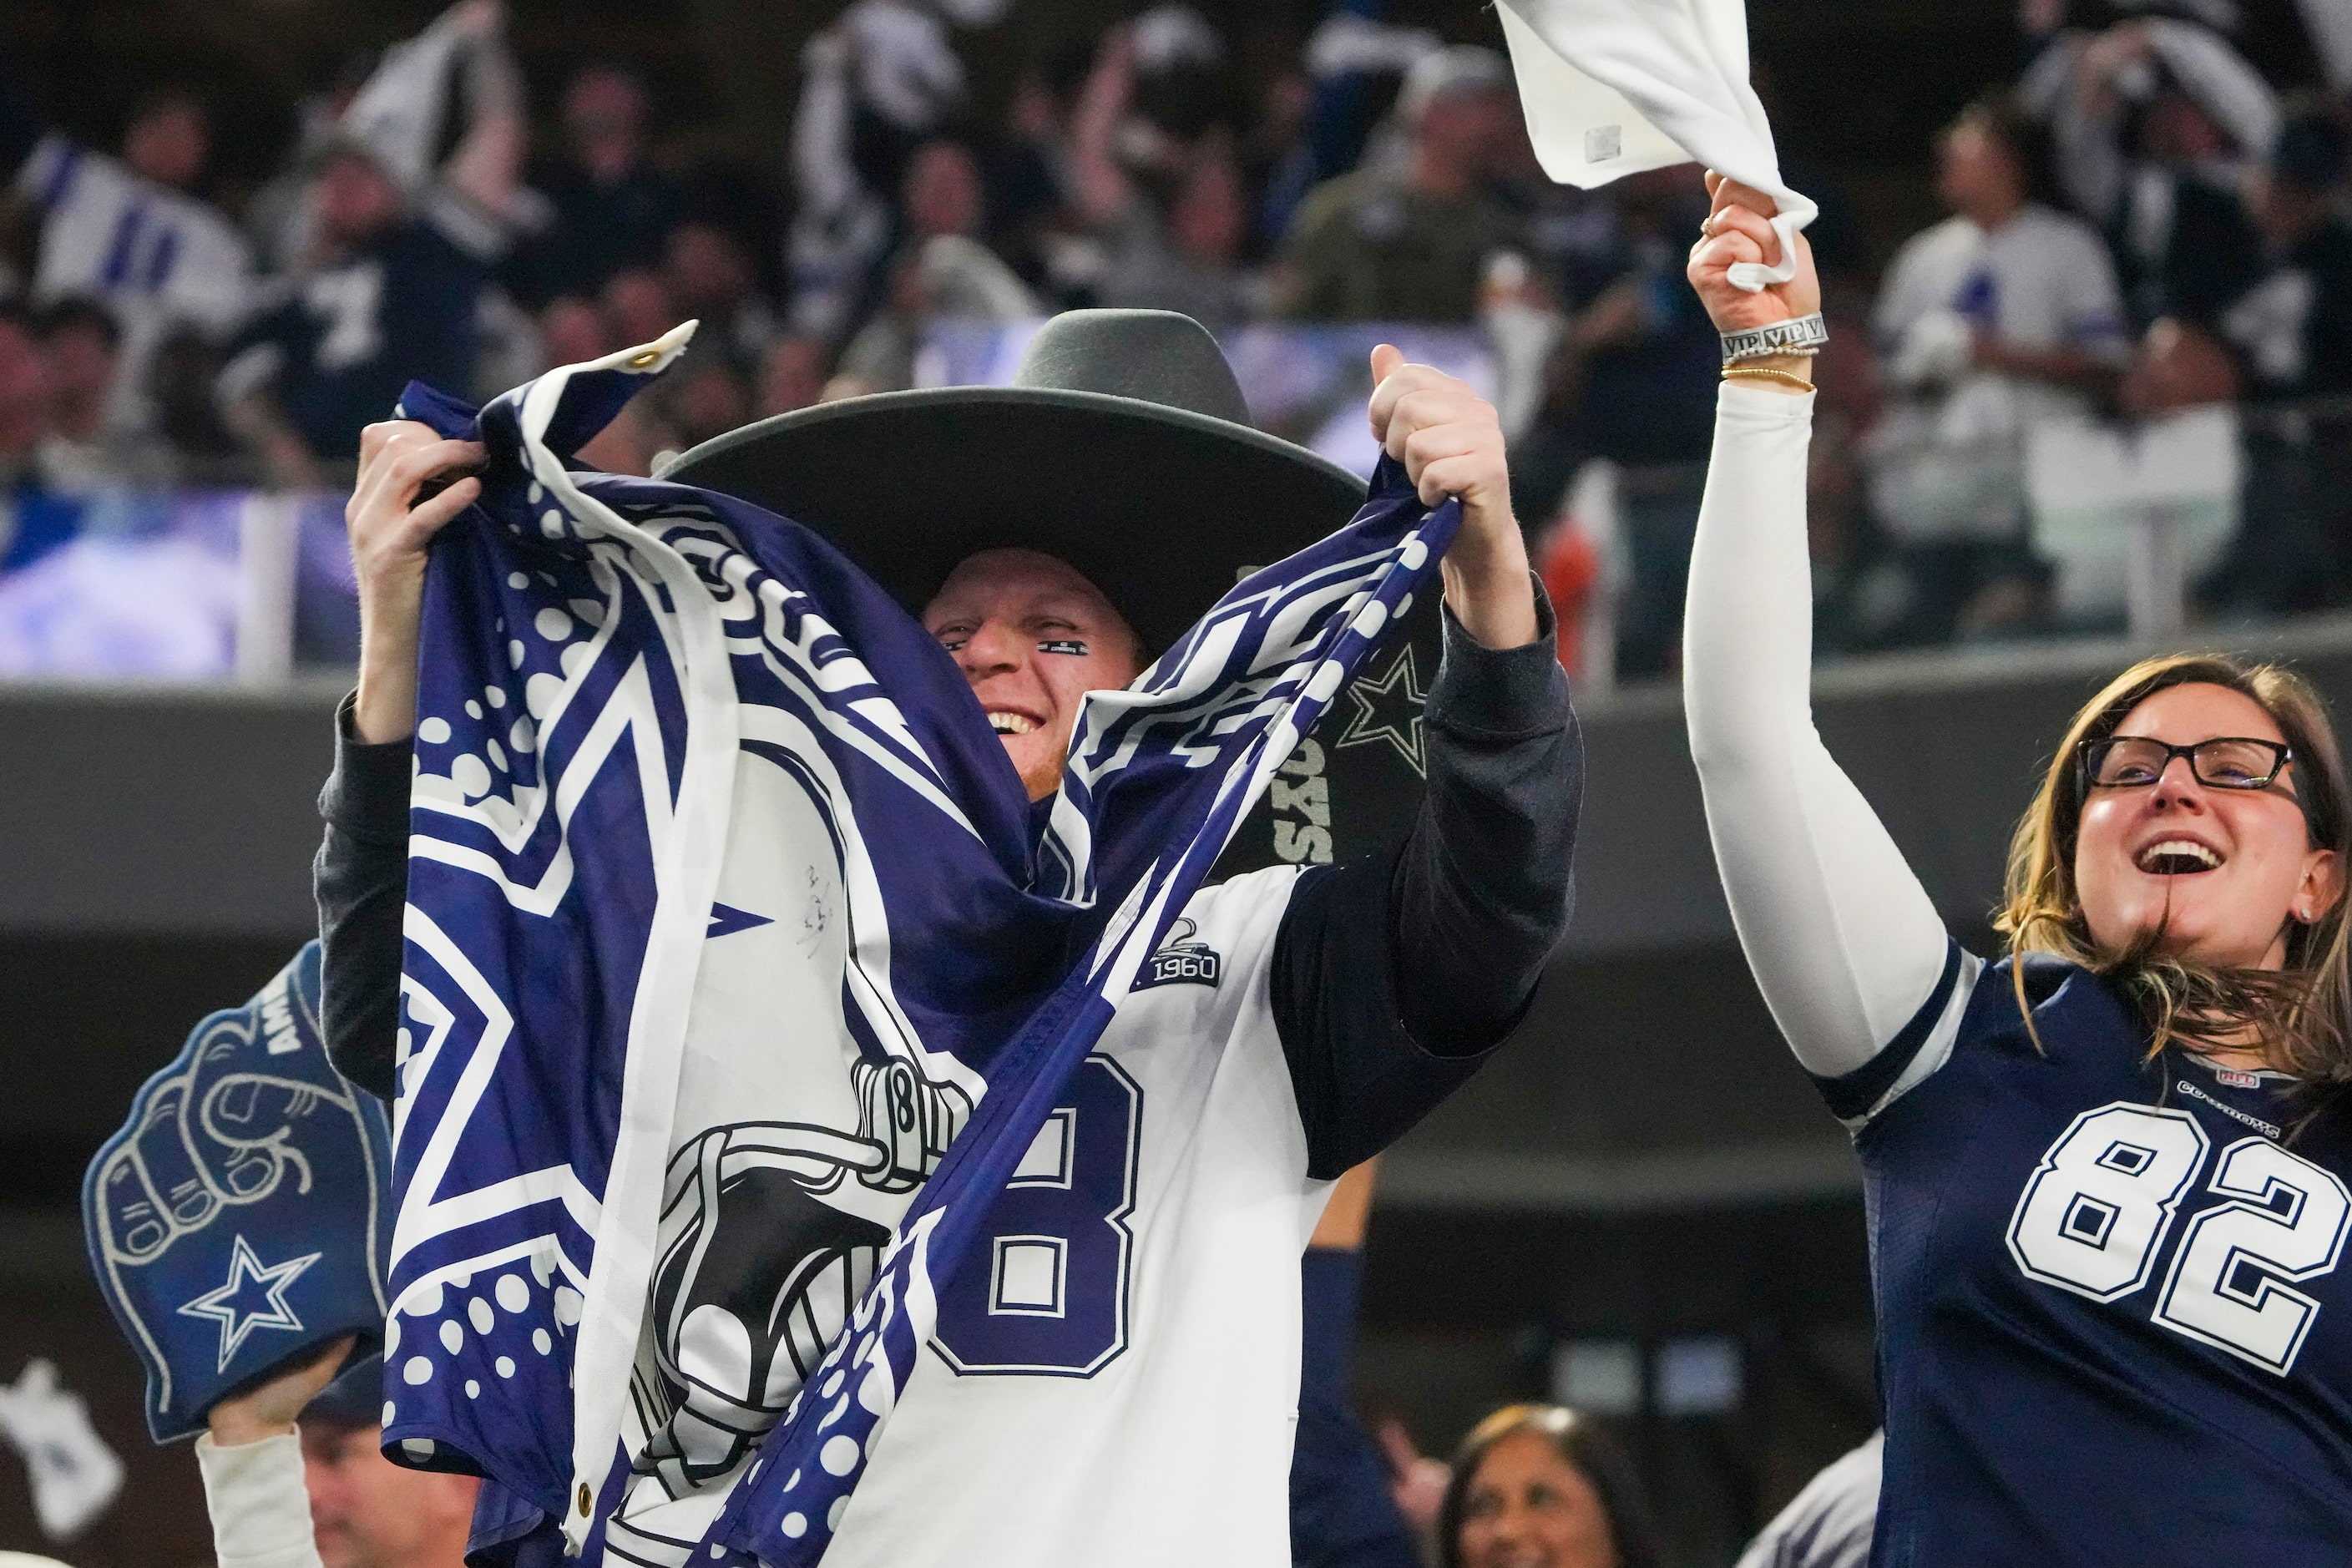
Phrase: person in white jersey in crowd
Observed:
(2004, 316)
(129, 231)
(1051, 534)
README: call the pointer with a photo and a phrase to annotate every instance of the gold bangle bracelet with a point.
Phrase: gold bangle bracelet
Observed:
(1764, 372)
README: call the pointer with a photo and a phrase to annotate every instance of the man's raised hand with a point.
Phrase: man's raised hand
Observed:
(391, 530)
(1451, 444)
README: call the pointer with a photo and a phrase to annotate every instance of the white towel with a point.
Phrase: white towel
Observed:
(1615, 86)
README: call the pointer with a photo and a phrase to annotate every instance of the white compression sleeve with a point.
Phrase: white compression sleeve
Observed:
(1845, 945)
(259, 1507)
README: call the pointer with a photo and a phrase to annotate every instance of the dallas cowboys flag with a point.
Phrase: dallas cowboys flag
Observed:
(240, 1216)
(740, 971)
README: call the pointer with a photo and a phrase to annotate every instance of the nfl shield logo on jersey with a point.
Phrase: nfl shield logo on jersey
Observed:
(1180, 960)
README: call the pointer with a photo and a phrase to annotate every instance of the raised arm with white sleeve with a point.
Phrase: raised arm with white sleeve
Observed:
(252, 1463)
(1845, 945)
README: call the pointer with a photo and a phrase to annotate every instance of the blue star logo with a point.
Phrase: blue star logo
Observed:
(1389, 709)
(234, 1305)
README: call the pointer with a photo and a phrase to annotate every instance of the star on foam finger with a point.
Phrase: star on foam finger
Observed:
(230, 1305)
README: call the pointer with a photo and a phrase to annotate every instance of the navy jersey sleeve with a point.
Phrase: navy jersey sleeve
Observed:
(1477, 896)
(360, 881)
(1342, 1513)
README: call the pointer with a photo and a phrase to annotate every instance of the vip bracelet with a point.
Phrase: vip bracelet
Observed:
(1802, 336)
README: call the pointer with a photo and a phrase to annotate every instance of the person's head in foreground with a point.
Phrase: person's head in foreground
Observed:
(2190, 838)
(1056, 535)
(1540, 1486)
(1033, 635)
(365, 1511)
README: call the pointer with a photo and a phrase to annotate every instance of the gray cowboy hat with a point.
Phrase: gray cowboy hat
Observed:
(1123, 447)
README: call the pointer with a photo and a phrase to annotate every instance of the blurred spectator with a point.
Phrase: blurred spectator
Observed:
(2003, 317)
(182, 378)
(2293, 336)
(1280, 155)
(1831, 1523)
(392, 289)
(2153, 132)
(129, 233)
(877, 83)
(2177, 365)
(23, 400)
(1172, 231)
(793, 375)
(710, 278)
(1411, 242)
(1417, 1481)
(637, 307)
(1634, 383)
(278, 215)
(572, 331)
(31, 522)
(1028, 175)
(611, 209)
(87, 447)
(2293, 328)
(1182, 87)
(941, 273)
(1355, 62)
(703, 397)
(1538, 1483)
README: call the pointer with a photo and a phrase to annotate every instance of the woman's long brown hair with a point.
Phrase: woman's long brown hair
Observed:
(2300, 1014)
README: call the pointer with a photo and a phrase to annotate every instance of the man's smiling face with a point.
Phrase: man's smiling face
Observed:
(1032, 636)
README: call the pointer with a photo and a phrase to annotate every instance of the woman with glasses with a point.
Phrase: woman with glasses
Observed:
(2106, 1174)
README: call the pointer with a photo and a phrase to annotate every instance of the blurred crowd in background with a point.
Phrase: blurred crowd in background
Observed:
(2140, 223)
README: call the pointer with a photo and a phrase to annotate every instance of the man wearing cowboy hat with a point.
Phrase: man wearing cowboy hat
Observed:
(1053, 535)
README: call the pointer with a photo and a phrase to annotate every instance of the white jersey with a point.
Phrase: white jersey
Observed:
(1115, 1374)
(153, 256)
(1949, 456)
(2042, 280)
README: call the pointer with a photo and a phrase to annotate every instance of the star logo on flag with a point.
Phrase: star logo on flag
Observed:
(1388, 709)
(254, 1298)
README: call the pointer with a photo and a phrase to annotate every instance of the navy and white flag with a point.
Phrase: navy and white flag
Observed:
(241, 1216)
(740, 971)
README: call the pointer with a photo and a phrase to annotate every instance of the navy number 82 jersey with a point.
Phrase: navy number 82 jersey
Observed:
(2112, 1328)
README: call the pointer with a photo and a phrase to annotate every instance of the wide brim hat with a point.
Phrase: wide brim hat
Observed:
(1123, 447)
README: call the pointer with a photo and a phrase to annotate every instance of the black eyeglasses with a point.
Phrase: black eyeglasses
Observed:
(2227, 762)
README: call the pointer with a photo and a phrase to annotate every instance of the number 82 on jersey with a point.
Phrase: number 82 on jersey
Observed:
(2094, 1215)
